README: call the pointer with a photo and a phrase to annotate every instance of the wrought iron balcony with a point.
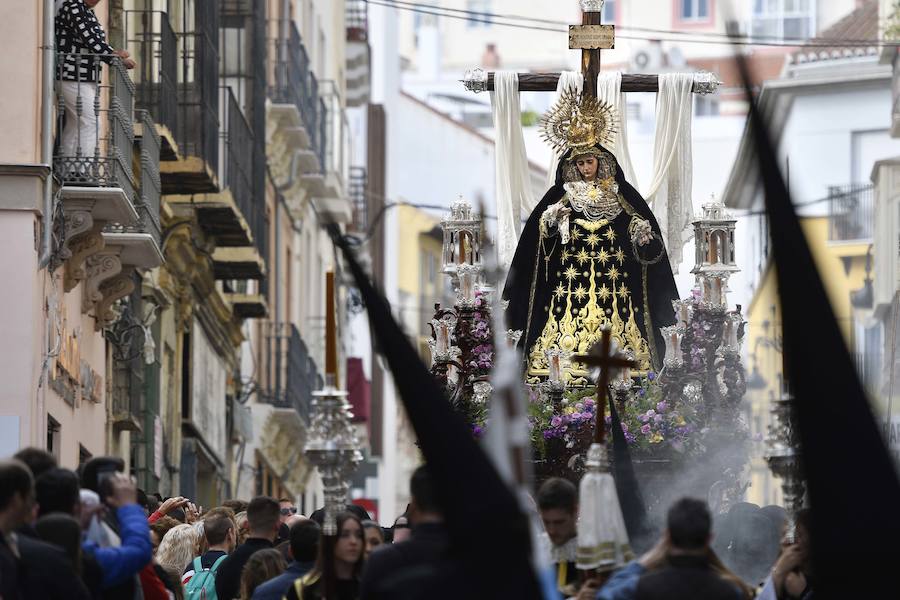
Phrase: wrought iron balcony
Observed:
(197, 121)
(291, 374)
(293, 84)
(357, 55)
(154, 45)
(357, 190)
(95, 137)
(239, 157)
(356, 16)
(851, 212)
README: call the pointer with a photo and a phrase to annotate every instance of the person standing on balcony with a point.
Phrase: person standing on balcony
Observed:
(79, 32)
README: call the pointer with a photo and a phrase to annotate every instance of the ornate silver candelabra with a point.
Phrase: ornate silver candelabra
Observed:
(333, 448)
(783, 456)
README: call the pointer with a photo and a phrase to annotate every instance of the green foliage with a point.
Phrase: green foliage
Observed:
(530, 118)
(892, 23)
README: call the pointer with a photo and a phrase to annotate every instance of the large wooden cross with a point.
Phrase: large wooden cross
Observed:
(601, 355)
(590, 37)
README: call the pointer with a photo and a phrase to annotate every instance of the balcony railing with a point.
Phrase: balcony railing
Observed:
(292, 373)
(154, 45)
(357, 190)
(357, 20)
(94, 126)
(293, 82)
(197, 131)
(237, 165)
(851, 212)
(336, 132)
(151, 186)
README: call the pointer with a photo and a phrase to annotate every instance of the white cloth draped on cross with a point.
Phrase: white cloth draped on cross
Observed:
(669, 192)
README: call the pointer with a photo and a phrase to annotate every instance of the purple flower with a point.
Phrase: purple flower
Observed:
(630, 438)
(589, 402)
(657, 418)
(625, 427)
(643, 418)
(641, 392)
(651, 375)
(646, 429)
(555, 422)
(651, 413)
(661, 406)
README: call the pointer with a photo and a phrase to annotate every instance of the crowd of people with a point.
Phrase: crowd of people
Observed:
(94, 535)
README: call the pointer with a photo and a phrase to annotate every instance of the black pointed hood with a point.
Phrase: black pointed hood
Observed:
(853, 488)
(489, 535)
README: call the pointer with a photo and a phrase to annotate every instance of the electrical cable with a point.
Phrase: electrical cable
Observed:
(488, 18)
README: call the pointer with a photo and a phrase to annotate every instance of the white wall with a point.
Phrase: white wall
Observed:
(828, 145)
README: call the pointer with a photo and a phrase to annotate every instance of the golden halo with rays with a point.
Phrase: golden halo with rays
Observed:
(578, 123)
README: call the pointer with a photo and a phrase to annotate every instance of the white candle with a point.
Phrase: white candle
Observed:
(554, 367)
(443, 338)
(467, 285)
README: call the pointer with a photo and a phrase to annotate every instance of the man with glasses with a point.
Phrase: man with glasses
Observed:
(287, 509)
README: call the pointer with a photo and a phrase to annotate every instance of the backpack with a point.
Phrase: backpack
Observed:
(202, 585)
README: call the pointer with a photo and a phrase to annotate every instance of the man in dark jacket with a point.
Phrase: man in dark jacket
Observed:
(687, 574)
(263, 518)
(304, 540)
(404, 565)
(42, 570)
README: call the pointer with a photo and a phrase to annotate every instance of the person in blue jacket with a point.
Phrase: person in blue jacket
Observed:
(120, 563)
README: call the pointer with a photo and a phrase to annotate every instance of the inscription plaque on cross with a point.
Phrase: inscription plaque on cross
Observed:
(590, 37)
(601, 355)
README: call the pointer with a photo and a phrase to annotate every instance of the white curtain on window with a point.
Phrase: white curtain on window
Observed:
(511, 164)
(669, 194)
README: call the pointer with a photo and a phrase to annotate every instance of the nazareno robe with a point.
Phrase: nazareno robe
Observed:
(543, 281)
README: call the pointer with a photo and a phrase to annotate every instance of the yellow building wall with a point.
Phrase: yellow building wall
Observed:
(842, 267)
(417, 294)
(413, 222)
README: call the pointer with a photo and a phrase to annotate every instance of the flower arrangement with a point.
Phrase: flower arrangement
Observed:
(479, 338)
(652, 425)
(575, 416)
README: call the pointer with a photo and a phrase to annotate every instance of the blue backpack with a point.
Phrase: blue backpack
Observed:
(202, 586)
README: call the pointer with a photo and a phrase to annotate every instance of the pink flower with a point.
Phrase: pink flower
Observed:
(646, 429)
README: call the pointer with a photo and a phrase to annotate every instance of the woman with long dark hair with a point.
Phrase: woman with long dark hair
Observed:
(339, 565)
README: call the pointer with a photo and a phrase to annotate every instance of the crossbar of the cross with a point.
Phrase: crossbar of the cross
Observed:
(479, 80)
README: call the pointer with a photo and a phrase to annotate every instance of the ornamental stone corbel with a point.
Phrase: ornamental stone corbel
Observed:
(78, 221)
(111, 290)
(99, 268)
(80, 249)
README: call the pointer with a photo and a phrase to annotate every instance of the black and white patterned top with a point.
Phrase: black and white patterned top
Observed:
(79, 32)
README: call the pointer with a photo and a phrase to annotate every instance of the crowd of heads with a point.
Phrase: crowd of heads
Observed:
(265, 542)
(76, 512)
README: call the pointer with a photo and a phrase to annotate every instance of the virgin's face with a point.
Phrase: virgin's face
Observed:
(350, 544)
(587, 166)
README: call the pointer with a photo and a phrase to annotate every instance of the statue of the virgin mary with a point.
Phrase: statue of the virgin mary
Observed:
(591, 254)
